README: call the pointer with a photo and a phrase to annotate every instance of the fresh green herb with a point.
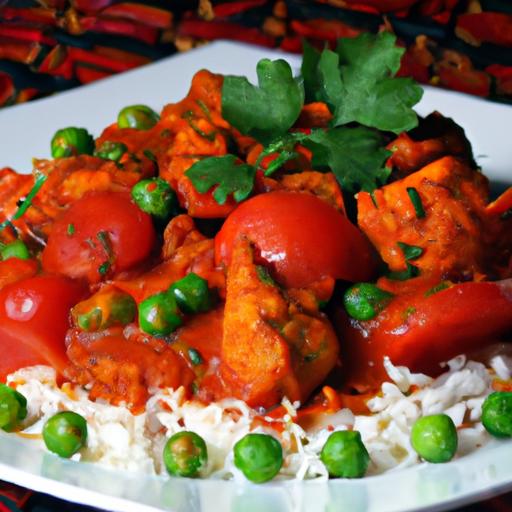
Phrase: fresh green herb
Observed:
(266, 111)
(285, 147)
(189, 116)
(411, 252)
(71, 229)
(371, 95)
(150, 155)
(264, 275)
(104, 268)
(408, 312)
(204, 108)
(309, 72)
(195, 357)
(356, 156)
(416, 202)
(443, 285)
(506, 215)
(106, 243)
(402, 275)
(223, 173)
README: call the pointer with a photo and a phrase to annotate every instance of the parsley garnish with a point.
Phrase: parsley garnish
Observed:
(267, 111)
(356, 156)
(71, 229)
(104, 268)
(223, 173)
(402, 275)
(264, 275)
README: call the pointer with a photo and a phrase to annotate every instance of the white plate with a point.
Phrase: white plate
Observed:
(25, 132)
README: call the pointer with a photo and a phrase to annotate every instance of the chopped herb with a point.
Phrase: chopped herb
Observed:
(104, 238)
(104, 268)
(195, 356)
(149, 154)
(71, 229)
(506, 215)
(311, 357)
(402, 275)
(268, 110)
(204, 108)
(223, 173)
(443, 285)
(189, 116)
(408, 312)
(416, 202)
(285, 147)
(411, 252)
(264, 275)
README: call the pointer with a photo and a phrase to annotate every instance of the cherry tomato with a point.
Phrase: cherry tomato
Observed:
(34, 316)
(14, 269)
(100, 235)
(302, 237)
(422, 329)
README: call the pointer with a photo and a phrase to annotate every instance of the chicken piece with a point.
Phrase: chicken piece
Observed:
(180, 231)
(121, 369)
(271, 348)
(198, 130)
(435, 137)
(449, 234)
(185, 250)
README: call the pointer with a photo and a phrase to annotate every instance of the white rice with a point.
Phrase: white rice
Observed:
(120, 439)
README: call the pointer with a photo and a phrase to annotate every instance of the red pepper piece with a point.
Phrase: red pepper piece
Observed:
(416, 63)
(34, 14)
(224, 30)
(230, 8)
(485, 27)
(470, 81)
(503, 77)
(292, 44)
(128, 28)
(116, 54)
(330, 30)
(96, 60)
(19, 51)
(385, 5)
(7, 89)
(87, 75)
(90, 6)
(501, 204)
(25, 33)
(57, 63)
(145, 14)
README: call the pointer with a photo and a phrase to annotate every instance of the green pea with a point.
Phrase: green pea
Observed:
(364, 301)
(104, 309)
(434, 438)
(192, 294)
(65, 433)
(13, 408)
(185, 454)
(259, 457)
(156, 197)
(159, 314)
(111, 150)
(140, 117)
(497, 414)
(16, 249)
(344, 455)
(71, 142)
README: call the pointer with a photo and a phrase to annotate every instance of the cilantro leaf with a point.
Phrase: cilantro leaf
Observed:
(285, 147)
(309, 72)
(371, 96)
(225, 174)
(355, 156)
(266, 111)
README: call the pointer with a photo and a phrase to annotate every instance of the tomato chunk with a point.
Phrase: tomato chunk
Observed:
(33, 322)
(420, 330)
(302, 237)
(100, 235)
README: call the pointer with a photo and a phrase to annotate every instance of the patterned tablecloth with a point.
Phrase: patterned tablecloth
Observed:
(18, 499)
